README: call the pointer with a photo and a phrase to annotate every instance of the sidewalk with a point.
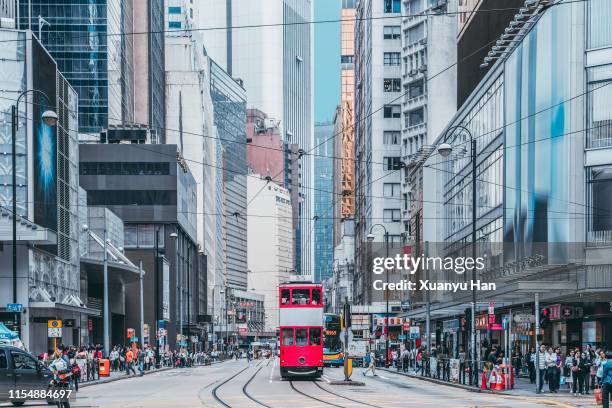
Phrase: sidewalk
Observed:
(522, 389)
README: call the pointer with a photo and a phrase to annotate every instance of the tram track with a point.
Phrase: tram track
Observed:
(344, 397)
(314, 398)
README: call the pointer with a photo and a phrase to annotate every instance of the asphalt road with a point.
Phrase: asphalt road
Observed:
(258, 384)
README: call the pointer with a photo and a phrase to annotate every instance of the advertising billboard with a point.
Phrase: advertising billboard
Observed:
(44, 139)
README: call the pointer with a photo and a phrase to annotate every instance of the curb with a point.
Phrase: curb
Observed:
(122, 377)
(474, 389)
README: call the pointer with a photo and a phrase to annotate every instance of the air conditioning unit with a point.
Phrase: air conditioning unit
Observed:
(423, 41)
(423, 68)
(413, 72)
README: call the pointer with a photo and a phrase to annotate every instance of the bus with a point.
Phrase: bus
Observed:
(301, 330)
(332, 346)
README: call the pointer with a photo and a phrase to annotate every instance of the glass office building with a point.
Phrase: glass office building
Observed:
(229, 104)
(324, 200)
(85, 38)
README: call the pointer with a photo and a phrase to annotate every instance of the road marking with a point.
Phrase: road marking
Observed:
(272, 371)
(383, 377)
(326, 378)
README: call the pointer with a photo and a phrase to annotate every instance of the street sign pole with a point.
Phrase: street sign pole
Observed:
(347, 324)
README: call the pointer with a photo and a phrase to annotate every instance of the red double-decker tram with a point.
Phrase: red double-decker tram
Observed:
(301, 330)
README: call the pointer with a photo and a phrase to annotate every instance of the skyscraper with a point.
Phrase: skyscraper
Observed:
(377, 131)
(93, 53)
(324, 200)
(275, 64)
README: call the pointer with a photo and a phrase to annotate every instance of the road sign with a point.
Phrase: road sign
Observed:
(415, 332)
(491, 307)
(504, 323)
(54, 332)
(524, 318)
(401, 337)
(54, 324)
(135, 339)
(407, 325)
(14, 307)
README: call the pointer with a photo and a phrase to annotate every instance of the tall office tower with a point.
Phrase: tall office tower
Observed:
(429, 94)
(229, 105)
(274, 57)
(344, 125)
(378, 128)
(92, 51)
(149, 103)
(324, 201)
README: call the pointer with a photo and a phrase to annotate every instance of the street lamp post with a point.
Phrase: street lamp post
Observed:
(370, 238)
(445, 150)
(49, 117)
(174, 237)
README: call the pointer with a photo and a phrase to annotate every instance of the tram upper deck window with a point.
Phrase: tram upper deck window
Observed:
(316, 296)
(285, 297)
(287, 337)
(300, 297)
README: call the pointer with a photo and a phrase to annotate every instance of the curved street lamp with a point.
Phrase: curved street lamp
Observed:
(49, 118)
(445, 150)
(370, 237)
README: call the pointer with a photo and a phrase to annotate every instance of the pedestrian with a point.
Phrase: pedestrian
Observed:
(606, 379)
(114, 359)
(141, 360)
(551, 362)
(541, 360)
(530, 359)
(578, 374)
(567, 369)
(371, 364)
(129, 362)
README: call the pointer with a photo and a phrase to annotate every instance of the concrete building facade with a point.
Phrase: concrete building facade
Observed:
(270, 242)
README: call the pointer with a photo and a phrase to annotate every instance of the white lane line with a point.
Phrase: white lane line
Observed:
(272, 371)
(326, 378)
(383, 377)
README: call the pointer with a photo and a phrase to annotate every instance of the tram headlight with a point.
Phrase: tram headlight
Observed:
(301, 360)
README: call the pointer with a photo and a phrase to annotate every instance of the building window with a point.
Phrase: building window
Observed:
(391, 137)
(391, 59)
(599, 101)
(600, 14)
(393, 6)
(392, 111)
(392, 85)
(391, 215)
(174, 24)
(415, 89)
(600, 197)
(347, 59)
(391, 189)
(391, 163)
(415, 34)
(391, 32)
(174, 10)
(414, 117)
(415, 7)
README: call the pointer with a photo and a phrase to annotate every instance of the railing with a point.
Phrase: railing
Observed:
(599, 238)
(600, 135)
(458, 371)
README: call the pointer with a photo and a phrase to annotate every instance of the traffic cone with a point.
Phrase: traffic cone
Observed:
(483, 382)
(500, 385)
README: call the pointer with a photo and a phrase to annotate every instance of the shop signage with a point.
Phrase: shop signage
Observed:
(130, 333)
(555, 312)
(69, 322)
(482, 322)
(450, 325)
(414, 332)
(495, 326)
(407, 325)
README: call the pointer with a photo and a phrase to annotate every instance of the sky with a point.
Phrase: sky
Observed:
(327, 59)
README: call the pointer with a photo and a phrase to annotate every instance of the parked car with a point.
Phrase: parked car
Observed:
(19, 370)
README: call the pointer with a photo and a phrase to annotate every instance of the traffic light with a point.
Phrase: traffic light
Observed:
(544, 317)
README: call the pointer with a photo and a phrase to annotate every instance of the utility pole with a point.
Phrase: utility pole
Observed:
(105, 283)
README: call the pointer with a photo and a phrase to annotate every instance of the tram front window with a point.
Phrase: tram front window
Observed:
(300, 297)
(315, 336)
(287, 336)
(301, 337)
